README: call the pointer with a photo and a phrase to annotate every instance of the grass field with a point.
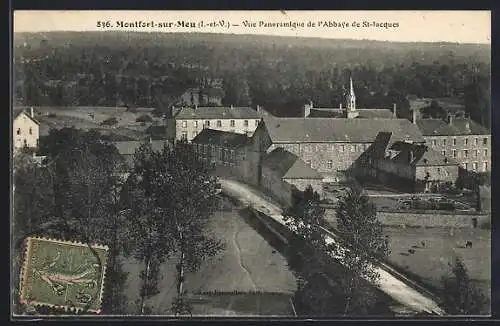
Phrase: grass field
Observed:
(441, 247)
(80, 117)
(248, 264)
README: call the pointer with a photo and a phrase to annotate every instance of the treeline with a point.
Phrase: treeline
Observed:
(279, 73)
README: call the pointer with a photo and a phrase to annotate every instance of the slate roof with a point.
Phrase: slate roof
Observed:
(438, 127)
(18, 111)
(217, 137)
(339, 113)
(288, 165)
(130, 146)
(433, 158)
(217, 112)
(290, 130)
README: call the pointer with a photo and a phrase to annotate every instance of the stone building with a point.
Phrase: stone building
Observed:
(26, 129)
(404, 165)
(283, 171)
(229, 153)
(329, 145)
(186, 122)
(460, 139)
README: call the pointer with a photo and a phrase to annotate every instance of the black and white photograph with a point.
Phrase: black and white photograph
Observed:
(250, 164)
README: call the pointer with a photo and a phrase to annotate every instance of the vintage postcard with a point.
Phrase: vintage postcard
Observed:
(293, 164)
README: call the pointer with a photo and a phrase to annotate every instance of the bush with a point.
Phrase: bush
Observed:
(144, 118)
(110, 122)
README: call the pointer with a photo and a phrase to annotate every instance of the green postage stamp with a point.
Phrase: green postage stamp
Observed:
(63, 274)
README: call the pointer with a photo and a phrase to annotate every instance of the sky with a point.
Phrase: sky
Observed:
(404, 26)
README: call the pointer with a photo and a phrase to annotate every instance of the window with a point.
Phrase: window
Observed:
(485, 166)
(184, 124)
(245, 123)
(195, 124)
(476, 141)
(454, 153)
(25, 143)
(308, 162)
(433, 142)
(439, 170)
(31, 131)
(465, 166)
(474, 166)
(444, 153)
(485, 141)
(485, 152)
(257, 122)
(18, 131)
(330, 164)
(207, 123)
(232, 123)
(466, 153)
(353, 148)
(219, 123)
(342, 148)
(444, 141)
(184, 135)
(454, 141)
(466, 141)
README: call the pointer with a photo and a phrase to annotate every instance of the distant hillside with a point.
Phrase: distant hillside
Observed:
(280, 73)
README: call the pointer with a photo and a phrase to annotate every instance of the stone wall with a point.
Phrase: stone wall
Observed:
(276, 187)
(432, 219)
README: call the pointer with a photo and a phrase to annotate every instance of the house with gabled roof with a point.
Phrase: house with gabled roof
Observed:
(405, 166)
(26, 129)
(283, 172)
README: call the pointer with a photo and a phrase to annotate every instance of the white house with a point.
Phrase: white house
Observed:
(25, 130)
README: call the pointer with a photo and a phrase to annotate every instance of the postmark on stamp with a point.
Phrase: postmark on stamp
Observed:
(63, 274)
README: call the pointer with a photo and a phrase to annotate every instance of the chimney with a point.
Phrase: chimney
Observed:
(394, 110)
(150, 140)
(467, 125)
(196, 106)
(232, 107)
(32, 112)
(414, 116)
(450, 119)
(341, 106)
(258, 108)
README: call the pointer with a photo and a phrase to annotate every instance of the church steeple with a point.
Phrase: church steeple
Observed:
(351, 102)
(351, 98)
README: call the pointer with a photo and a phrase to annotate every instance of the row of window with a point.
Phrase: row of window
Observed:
(18, 132)
(232, 123)
(475, 166)
(342, 148)
(466, 153)
(466, 141)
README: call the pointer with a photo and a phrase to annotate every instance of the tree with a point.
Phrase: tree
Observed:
(172, 197)
(459, 295)
(363, 238)
(84, 173)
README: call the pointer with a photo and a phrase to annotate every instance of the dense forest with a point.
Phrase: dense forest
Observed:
(278, 73)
